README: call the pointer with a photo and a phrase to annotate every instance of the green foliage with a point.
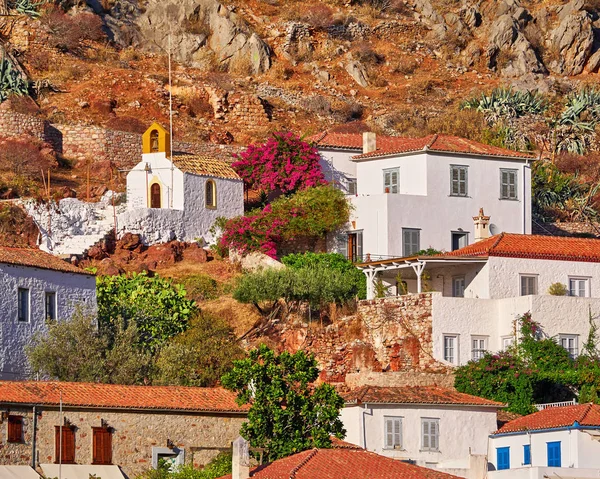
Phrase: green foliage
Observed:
(11, 81)
(201, 287)
(428, 252)
(26, 7)
(333, 261)
(535, 370)
(200, 356)
(158, 307)
(218, 467)
(504, 103)
(558, 289)
(288, 413)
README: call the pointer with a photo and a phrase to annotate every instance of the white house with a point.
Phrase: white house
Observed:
(478, 291)
(178, 197)
(416, 193)
(36, 286)
(430, 426)
(558, 442)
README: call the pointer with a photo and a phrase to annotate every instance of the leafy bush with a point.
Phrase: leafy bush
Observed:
(23, 157)
(312, 212)
(68, 32)
(218, 467)
(558, 289)
(332, 261)
(284, 163)
(201, 287)
(159, 308)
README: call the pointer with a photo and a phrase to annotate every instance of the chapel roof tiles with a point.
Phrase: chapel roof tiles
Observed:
(116, 396)
(513, 245)
(555, 417)
(414, 395)
(342, 464)
(204, 166)
(36, 258)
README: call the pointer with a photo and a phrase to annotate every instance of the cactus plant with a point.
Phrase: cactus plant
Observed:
(11, 81)
(26, 7)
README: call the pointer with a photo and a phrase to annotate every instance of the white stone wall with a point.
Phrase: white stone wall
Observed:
(154, 225)
(72, 291)
(455, 444)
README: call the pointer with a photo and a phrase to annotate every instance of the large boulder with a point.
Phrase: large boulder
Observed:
(358, 72)
(572, 40)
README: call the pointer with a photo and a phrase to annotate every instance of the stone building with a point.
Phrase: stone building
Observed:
(104, 424)
(36, 286)
(178, 196)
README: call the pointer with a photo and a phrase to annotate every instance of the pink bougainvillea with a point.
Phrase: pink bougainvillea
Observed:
(284, 163)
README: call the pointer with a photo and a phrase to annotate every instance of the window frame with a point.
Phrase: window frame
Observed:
(391, 186)
(456, 279)
(54, 302)
(454, 337)
(212, 205)
(459, 168)
(14, 429)
(405, 253)
(504, 339)
(20, 312)
(393, 420)
(505, 465)
(573, 352)
(554, 445)
(527, 454)
(478, 353)
(508, 197)
(107, 432)
(464, 234)
(586, 281)
(352, 186)
(429, 421)
(528, 276)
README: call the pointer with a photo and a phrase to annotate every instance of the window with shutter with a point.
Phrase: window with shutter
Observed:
(502, 458)
(15, 428)
(554, 459)
(101, 445)
(390, 180)
(528, 285)
(393, 432)
(578, 287)
(508, 184)
(526, 455)
(458, 180)
(430, 434)
(67, 448)
(411, 241)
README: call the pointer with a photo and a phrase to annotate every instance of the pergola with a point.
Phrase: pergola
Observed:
(417, 263)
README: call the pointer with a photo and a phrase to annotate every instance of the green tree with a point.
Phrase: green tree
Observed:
(158, 307)
(218, 467)
(199, 356)
(288, 413)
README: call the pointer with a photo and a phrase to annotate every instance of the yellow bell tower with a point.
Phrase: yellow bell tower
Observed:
(156, 140)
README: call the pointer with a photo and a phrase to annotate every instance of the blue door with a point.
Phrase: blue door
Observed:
(554, 454)
(502, 458)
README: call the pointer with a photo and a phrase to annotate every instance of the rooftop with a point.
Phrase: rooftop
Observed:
(415, 395)
(115, 396)
(513, 245)
(36, 258)
(354, 141)
(555, 417)
(342, 464)
(204, 166)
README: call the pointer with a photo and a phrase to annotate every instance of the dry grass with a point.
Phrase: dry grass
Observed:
(241, 317)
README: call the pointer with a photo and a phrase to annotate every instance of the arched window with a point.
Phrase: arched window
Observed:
(154, 141)
(155, 196)
(211, 194)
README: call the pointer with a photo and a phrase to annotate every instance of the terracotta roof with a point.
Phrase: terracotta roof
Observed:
(512, 245)
(204, 166)
(415, 395)
(94, 395)
(354, 141)
(36, 258)
(555, 417)
(342, 464)
(442, 144)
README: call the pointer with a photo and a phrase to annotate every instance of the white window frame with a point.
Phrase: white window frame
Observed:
(352, 186)
(394, 421)
(429, 421)
(585, 280)
(479, 346)
(528, 276)
(507, 342)
(454, 358)
(508, 184)
(394, 188)
(458, 181)
(455, 280)
(571, 343)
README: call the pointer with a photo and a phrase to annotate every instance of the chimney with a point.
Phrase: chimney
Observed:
(240, 463)
(369, 142)
(482, 226)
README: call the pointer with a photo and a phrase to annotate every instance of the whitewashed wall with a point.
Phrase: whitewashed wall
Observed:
(338, 166)
(413, 174)
(72, 291)
(456, 444)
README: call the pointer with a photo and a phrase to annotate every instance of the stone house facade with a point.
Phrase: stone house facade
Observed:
(129, 426)
(36, 286)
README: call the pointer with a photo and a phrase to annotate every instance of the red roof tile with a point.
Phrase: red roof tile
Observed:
(415, 395)
(555, 417)
(342, 464)
(36, 258)
(512, 245)
(443, 144)
(93, 395)
(354, 141)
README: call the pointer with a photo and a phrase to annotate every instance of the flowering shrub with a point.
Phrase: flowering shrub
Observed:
(284, 163)
(313, 212)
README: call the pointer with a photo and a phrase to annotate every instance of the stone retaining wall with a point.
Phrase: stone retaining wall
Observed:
(16, 124)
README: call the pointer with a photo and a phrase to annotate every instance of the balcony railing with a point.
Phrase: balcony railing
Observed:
(541, 407)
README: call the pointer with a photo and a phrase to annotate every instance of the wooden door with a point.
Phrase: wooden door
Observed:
(155, 196)
(352, 247)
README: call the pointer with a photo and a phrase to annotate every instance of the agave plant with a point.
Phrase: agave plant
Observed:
(26, 7)
(506, 103)
(11, 81)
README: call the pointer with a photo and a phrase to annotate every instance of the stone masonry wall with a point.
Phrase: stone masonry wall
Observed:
(134, 436)
(16, 124)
